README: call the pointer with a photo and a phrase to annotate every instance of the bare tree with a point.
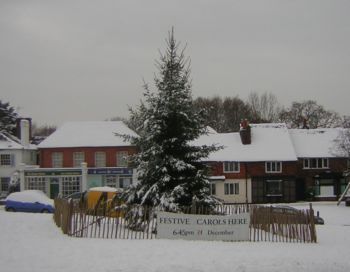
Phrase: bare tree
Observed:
(264, 108)
(224, 115)
(308, 114)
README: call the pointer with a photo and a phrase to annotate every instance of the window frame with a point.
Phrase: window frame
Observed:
(273, 167)
(212, 188)
(6, 159)
(100, 161)
(57, 159)
(121, 156)
(280, 189)
(78, 158)
(231, 188)
(316, 163)
(231, 167)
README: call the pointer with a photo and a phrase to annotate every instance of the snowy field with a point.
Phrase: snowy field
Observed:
(32, 242)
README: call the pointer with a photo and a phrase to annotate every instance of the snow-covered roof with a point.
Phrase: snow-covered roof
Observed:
(8, 141)
(269, 142)
(88, 134)
(316, 143)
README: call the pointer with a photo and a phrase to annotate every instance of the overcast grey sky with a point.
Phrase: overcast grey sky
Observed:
(86, 60)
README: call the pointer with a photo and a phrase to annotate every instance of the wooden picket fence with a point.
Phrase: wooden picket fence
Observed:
(138, 222)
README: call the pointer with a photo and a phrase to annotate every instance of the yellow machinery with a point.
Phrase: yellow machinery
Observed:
(104, 201)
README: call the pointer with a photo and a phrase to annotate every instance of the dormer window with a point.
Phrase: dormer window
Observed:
(273, 167)
(231, 167)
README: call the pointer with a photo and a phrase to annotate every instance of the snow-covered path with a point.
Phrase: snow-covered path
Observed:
(32, 242)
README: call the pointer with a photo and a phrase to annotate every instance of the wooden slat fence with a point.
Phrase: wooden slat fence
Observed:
(137, 222)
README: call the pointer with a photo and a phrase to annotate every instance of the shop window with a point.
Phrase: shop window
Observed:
(231, 167)
(124, 182)
(57, 159)
(111, 181)
(78, 159)
(36, 183)
(4, 184)
(100, 159)
(315, 163)
(231, 188)
(70, 185)
(274, 187)
(273, 167)
(122, 159)
(6, 160)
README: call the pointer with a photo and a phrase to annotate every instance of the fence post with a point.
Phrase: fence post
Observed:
(312, 225)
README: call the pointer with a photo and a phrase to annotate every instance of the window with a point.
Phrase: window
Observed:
(212, 188)
(111, 181)
(118, 181)
(124, 182)
(70, 185)
(5, 159)
(324, 187)
(78, 158)
(273, 167)
(274, 187)
(316, 163)
(231, 188)
(4, 184)
(100, 159)
(36, 183)
(57, 159)
(231, 167)
(122, 159)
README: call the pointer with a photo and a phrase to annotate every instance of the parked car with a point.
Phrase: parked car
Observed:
(75, 196)
(29, 201)
(291, 210)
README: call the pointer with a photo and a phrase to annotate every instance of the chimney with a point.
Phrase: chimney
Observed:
(24, 130)
(245, 132)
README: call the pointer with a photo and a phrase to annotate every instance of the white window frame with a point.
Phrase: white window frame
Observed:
(121, 158)
(5, 159)
(273, 167)
(212, 188)
(70, 185)
(4, 184)
(315, 163)
(231, 188)
(100, 159)
(78, 158)
(57, 159)
(231, 167)
(36, 183)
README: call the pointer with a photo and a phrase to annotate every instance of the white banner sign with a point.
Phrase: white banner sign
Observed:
(203, 227)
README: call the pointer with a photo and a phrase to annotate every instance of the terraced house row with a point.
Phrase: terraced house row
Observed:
(263, 163)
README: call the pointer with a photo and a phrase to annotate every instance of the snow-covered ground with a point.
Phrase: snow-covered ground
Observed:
(32, 242)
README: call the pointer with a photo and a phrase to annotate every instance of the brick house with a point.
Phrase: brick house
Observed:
(257, 165)
(268, 163)
(80, 155)
(320, 165)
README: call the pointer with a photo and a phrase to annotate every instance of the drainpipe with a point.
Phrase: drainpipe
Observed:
(246, 181)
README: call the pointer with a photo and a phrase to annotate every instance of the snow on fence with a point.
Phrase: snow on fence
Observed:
(138, 222)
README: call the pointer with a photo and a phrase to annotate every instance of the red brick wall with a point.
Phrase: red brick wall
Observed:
(46, 155)
(252, 169)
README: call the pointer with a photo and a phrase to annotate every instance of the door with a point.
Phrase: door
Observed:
(54, 188)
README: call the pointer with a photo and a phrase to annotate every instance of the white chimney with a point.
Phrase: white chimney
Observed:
(25, 130)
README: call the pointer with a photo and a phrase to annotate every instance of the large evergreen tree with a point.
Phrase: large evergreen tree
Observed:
(170, 172)
(8, 118)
